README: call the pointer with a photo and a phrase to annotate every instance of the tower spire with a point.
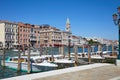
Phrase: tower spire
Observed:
(68, 25)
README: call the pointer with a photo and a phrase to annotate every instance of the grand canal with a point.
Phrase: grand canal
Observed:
(7, 72)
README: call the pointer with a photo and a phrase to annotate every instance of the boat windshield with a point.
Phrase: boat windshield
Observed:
(39, 60)
(16, 59)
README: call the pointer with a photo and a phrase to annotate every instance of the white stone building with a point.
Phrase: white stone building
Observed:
(8, 34)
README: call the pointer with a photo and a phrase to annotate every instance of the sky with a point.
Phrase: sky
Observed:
(88, 18)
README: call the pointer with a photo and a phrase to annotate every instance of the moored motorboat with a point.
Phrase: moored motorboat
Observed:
(38, 64)
(60, 59)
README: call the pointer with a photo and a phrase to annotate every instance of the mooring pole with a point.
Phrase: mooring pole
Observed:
(62, 50)
(3, 60)
(19, 62)
(29, 68)
(89, 54)
(76, 55)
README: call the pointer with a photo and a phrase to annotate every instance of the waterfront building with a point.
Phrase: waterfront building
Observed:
(28, 35)
(35, 36)
(24, 34)
(8, 34)
(82, 40)
(50, 36)
(75, 40)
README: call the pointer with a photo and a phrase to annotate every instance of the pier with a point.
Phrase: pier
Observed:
(99, 71)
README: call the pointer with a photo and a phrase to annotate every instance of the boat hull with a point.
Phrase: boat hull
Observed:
(24, 67)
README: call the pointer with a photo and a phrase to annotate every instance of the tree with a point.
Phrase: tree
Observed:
(91, 42)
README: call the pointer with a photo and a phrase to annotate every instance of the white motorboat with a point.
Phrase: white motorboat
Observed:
(63, 61)
(38, 64)
(60, 59)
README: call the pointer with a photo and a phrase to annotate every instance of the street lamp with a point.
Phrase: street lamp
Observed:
(116, 19)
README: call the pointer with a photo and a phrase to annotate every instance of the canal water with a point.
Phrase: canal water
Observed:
(7, 72)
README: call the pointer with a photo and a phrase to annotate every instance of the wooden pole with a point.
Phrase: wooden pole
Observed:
(59, 49)
(24, 51)
(76, 53)
(19, 62)
(62, 50)
(89, 54)
(3, 60)
(69, 49)
(53, 53)
(113, 50)
(99, 48)
(29, 68)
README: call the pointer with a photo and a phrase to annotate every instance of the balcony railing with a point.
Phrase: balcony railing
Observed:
(33, 39)
(56, 39)
(45, 38)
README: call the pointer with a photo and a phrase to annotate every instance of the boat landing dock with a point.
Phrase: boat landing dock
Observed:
(97, 71)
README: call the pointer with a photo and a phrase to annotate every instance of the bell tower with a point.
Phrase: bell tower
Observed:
(68, 25)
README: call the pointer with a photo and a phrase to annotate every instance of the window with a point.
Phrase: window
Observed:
(16, 37)
(21, 30)
(31, 29)
(24, 40)
(26, 30)
(16, 30)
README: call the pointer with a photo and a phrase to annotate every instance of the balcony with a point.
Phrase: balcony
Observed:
(33, 39)
(45, 39)
(59, 39)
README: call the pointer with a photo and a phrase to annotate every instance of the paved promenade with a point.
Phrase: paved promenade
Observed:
(98, 71)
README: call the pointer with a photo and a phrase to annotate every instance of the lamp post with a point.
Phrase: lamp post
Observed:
(117, 22)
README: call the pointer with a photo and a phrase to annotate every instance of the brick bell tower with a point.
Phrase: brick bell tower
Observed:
(68, 25)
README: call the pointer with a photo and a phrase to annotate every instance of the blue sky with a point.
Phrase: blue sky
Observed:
(88, 18)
